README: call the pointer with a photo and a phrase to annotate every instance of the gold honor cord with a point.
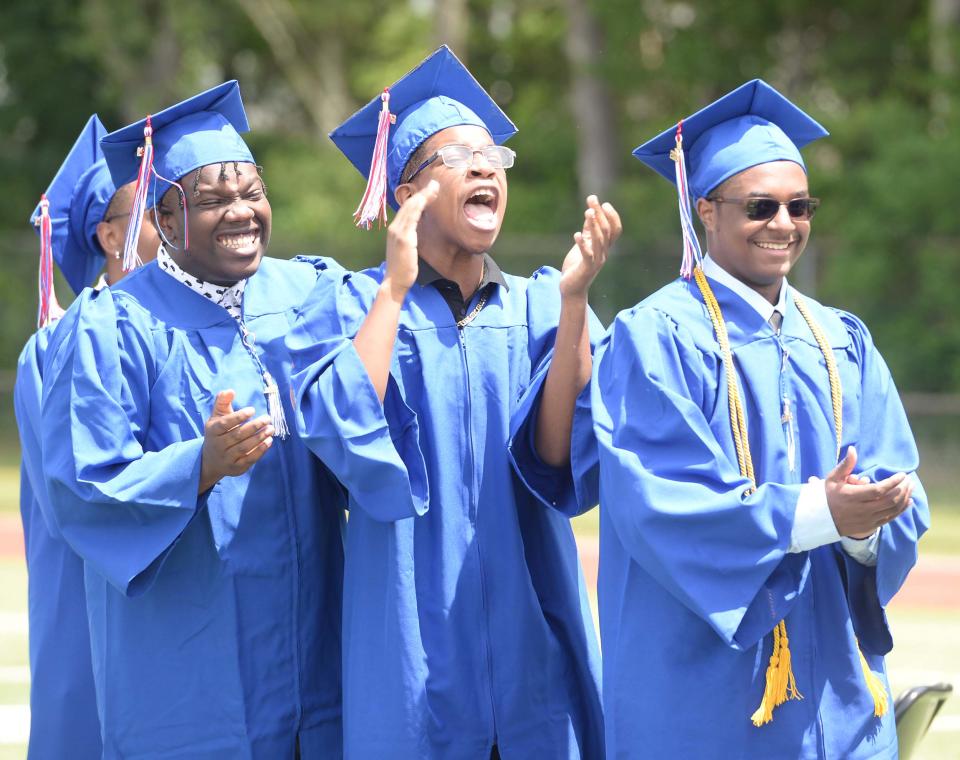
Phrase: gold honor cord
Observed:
(780, 682)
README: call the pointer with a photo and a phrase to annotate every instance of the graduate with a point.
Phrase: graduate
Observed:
(79, 218)
(467, 631)
(759, 499)
(212, 539)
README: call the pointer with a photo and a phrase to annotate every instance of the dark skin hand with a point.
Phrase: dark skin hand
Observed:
(232, 441)
(858, 506)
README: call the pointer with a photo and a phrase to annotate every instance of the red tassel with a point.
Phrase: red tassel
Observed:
(49, 309)
(373, 205)
(131, 259)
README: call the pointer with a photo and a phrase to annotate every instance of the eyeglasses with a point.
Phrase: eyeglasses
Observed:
(461, 157)
(764, 209)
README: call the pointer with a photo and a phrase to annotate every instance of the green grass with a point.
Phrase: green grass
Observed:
(9, 488)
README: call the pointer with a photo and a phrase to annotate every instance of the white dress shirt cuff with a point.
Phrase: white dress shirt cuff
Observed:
(812, 523)
(865, 550)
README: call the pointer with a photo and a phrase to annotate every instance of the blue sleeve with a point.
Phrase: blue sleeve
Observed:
(885, 447)
(373, 449)
(675, 496)
(322, 264)
(572, 489)
(120, 505)
(27, 392)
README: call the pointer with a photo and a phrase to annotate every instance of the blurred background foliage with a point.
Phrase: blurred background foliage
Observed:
(585, 81)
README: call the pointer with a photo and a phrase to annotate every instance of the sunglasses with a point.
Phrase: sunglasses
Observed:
(764, 209)
(461, 157)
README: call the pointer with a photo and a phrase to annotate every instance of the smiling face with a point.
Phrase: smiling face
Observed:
(758, 253)
(469, 210)
(229, 223)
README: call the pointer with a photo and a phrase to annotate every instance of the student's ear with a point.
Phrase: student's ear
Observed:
(108, 236)
(707, 213)
(168, 222)
(403, 192)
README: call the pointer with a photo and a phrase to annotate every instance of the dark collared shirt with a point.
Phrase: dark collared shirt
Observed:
(451, 291)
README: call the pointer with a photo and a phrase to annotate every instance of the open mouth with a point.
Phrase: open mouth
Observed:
(481, 209)
(245, 242)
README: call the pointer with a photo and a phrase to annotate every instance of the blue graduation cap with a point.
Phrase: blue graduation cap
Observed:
(161, 149)
(754, 124)
(75, 203)
(380, 138)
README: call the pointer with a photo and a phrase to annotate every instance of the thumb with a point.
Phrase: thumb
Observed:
(223, 404)
(845, 469)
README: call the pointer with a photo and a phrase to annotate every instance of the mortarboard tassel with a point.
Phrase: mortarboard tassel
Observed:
(49, 310)
(131, 259)
(373, 205)
(691, 245)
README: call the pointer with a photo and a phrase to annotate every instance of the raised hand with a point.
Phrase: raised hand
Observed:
(859, 507)
(402, 265)
(601, 227)
(232, 441)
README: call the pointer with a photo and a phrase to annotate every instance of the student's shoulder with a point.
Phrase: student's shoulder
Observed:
(671, 309)
(841, 327)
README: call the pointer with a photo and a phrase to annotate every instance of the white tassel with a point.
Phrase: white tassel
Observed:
(275, 407)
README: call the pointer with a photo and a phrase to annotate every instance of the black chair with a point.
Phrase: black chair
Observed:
(915, 710)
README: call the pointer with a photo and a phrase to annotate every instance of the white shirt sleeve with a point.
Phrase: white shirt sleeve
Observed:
(812, 523)
(813, 526)
(865, 550)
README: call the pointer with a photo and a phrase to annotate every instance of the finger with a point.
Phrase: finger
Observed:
(583, 244)
(239, 436)
(226, 423)
(248, 443)
(598, 236)
(616, 227)
(594, 203)
(895, 501)
(430, 192)
(410, 212)
(249, 459)
(884, 491)
(845, 468)
(223, 403)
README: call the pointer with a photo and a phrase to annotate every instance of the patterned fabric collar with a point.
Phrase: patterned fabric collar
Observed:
(229, 297)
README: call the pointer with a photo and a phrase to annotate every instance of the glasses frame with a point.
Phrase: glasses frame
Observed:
(811, 203)
(500, 149)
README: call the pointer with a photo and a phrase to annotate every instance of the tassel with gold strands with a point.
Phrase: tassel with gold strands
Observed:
(874, 683)
(373, 205)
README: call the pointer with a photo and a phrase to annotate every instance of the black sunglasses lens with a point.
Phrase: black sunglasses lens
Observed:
(802, 208)
(759, 209)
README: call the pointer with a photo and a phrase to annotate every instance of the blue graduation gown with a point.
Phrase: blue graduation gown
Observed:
(215, 620)
(63, 706)
(466, 621)
(694, 576)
